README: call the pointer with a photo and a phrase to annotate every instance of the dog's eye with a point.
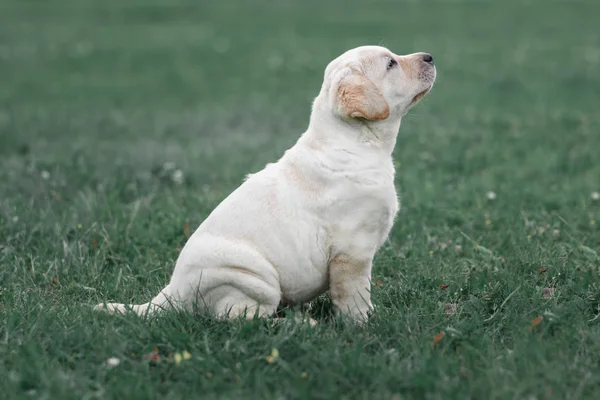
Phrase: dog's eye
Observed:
(392, 63)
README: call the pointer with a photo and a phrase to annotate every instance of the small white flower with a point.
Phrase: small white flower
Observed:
(556, 233)
(113, 362)
(595, 196)
(45, 175)
(491, 195)
(177, 176)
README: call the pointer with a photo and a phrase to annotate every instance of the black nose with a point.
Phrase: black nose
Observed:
(428, 58)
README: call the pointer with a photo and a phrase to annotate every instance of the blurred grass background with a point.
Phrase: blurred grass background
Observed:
(123, 124)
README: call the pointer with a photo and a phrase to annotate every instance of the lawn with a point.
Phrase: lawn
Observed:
(123, 124)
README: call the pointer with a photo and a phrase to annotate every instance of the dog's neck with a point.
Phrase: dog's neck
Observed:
(326, 127)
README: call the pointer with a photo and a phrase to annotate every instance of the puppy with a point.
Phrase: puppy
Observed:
(313, 220)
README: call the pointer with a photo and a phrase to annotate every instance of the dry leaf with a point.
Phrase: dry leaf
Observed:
(437, 338)
(443, 286)
(94, 243)
(378, 283)
(154, 356)
(541, 271)
(186, 229)
(536, 322)
(273, 356)
(548, 292)
(450, 308)
(54, 281)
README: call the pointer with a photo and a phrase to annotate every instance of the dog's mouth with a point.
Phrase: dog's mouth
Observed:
(418, 97)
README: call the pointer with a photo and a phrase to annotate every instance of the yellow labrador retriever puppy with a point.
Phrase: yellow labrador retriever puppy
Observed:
(313, 220)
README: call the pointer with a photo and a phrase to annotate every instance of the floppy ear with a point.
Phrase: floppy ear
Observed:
(358, 97)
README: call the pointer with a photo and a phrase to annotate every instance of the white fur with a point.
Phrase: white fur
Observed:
(313, 220)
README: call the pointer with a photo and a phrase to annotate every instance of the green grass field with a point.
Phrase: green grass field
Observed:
(103, 103)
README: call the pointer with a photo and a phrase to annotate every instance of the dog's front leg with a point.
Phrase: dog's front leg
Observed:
(349, 279)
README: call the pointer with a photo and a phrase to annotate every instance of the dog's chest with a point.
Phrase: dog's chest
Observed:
(366, 213)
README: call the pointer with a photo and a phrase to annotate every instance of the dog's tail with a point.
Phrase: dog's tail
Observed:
(158, 304)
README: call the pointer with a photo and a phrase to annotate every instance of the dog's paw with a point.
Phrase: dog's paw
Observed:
(356, 315)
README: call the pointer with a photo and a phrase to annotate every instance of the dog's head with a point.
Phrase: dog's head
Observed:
(372, 83)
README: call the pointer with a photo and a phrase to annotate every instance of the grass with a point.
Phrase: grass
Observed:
(101, 103)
